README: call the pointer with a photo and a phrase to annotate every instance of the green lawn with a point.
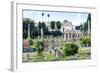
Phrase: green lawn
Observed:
(83, 54)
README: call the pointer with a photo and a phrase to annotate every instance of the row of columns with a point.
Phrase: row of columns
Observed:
(69, 36)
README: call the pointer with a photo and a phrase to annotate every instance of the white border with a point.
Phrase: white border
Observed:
(17, 37)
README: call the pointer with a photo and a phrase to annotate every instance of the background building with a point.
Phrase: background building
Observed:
(69, 31)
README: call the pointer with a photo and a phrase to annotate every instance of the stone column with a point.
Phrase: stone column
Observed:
(64, 36)
(68, 36)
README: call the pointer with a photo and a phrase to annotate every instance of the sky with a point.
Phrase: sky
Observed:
(75, 17)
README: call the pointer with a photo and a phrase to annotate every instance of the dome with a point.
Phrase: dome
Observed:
(67, 23)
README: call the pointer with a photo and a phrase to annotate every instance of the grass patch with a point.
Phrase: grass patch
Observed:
(84, 53)
(49, 57)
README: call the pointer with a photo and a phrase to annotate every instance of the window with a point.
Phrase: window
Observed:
(69, 34)
(73, 35)
(66, 35)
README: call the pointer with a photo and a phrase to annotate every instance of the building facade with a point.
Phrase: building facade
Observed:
(69, 31)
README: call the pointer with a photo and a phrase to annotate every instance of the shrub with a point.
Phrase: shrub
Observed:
(30, 42)
(70, 49)
(40, 47)
(85, 41)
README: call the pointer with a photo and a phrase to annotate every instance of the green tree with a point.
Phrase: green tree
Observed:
(85, 41)
(58, 24)
(85, 26)
(25, 34)
(89, 19)
(32, 26)
(70, 49)
(39, 25)
(52, 25)
(25, 24)
(35, 33)
(43, 25)
(40, 47)
(30, 42)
